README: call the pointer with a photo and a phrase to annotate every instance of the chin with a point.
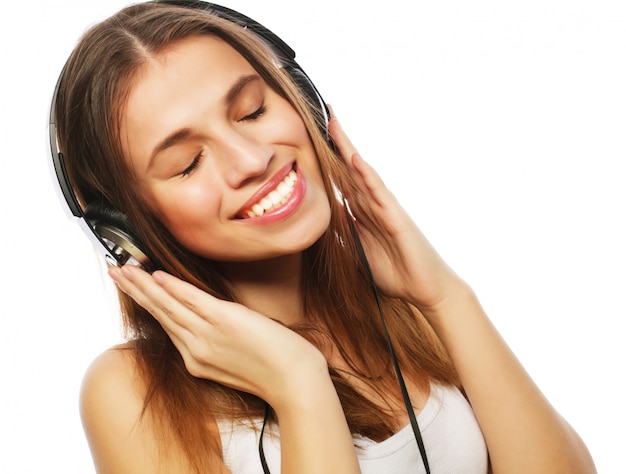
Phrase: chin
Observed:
(307, 235)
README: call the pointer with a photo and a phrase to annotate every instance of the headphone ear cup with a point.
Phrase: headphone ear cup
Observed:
(113, 229)
(318, 106)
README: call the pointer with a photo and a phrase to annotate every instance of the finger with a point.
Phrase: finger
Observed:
(372, 180)
(340, 139)
(192, 298)
(176, 333)
(371, 183)
(170, 313)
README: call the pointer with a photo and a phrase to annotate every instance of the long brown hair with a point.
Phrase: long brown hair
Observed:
(337, 295)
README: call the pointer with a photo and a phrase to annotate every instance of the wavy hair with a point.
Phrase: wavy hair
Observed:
(337, 295)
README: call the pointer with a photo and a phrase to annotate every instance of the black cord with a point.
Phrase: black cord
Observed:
(266, 413)
(392, 352)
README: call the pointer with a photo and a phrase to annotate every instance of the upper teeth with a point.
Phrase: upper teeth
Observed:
(275, 198)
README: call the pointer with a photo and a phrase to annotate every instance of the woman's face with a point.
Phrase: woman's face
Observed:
(223, 160)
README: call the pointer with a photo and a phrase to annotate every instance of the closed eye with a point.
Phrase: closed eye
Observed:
(194, 164)
(254, 115)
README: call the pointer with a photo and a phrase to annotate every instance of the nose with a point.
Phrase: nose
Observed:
(242, 159)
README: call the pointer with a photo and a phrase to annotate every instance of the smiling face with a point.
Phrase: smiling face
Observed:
(223, 161)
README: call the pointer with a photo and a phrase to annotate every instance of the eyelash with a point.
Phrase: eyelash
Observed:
(254, 115)
(194, 164)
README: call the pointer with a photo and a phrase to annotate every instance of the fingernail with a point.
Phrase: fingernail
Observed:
(126, 270)
(158, 277)
(114, 273)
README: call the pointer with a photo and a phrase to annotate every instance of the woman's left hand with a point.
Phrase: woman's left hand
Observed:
(405, 265)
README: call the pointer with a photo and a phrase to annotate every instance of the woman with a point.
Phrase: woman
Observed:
(188, 125)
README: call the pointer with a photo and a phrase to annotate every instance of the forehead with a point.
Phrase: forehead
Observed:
(198, 60)
(208, 47)
(190, 77)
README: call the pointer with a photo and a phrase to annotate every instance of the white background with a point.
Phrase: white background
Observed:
(499, 125)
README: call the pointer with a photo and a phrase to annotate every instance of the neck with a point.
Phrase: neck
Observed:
(271, 287)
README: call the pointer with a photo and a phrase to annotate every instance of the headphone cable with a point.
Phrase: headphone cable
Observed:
(392, 352)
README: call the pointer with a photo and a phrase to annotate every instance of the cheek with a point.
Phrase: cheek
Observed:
(186, 210)
(296, 128)
(287, 124)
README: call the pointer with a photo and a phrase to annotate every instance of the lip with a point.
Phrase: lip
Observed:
(266, 188)
(283, 211)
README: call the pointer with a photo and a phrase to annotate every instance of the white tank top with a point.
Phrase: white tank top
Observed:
(453, 441)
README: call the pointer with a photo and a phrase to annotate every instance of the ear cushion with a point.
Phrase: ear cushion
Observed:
(102, 211)
(114, 230)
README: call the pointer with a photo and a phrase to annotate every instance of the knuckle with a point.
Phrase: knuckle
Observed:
(191, 305)
(190, 301)
(193, 367)
(199, 352)
(163, 310)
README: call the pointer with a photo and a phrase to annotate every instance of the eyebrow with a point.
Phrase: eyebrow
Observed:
(183, 133)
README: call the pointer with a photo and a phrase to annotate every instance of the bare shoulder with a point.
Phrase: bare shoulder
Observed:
(111, 406)
(111, 386)
(110, 380)
(113, 366)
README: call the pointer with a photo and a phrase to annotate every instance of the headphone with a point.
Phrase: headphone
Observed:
(107, 227)
(110, 230)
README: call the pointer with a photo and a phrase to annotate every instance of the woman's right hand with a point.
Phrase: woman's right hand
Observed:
(224, 341)
(240, 348)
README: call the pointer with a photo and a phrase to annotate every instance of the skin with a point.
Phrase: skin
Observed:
(238, 344)
(215, 102)
(522, 430)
